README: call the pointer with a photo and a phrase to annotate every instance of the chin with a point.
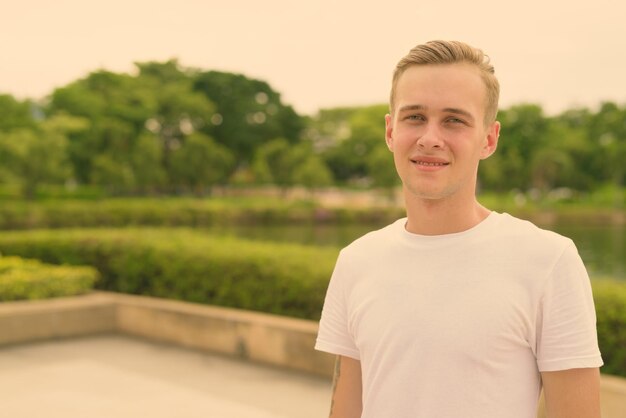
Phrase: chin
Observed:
(425, 194)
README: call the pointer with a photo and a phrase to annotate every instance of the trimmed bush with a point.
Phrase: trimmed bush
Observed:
(181, 264)
(188, 212)
(610, 300)
(31, 279)
(179, 212)
(277, 278)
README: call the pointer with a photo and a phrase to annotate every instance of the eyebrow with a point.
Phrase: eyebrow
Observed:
(412, 107)
(454, 110)
(459, 112)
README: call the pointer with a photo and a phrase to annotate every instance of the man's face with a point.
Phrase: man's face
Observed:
(437, 132)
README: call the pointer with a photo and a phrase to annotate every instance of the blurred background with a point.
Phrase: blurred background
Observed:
(143, 100)
(223, 152)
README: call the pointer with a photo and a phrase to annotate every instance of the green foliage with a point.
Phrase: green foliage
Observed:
(608, 130)
(15, 114)
(180, 110)
(312, 173)
(608, 196)
(248, 113)
(135, 124)
(31, 279)
(149, 133)
(274, 162)
(181, 264)
(31, 157)
(146, 163)
(381, 168)
(523, 132)
(277, 162)
(354, 145)
(577, 149)
(112, 174)
(126, 134)
(610, 302)
(201, 163)
(179, 212)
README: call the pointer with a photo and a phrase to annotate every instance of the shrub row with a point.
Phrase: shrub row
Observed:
(178, 212)
(31, 279)
(277, 278)
(610, 300)
(181, 264)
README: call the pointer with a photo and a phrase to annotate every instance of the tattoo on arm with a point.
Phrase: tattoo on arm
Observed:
(335, 380)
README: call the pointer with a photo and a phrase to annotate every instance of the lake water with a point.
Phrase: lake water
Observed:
(602, 248)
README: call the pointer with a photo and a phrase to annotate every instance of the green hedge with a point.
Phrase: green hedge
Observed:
(189, 212)
(610, 301)
(31, 279)
(270, 277)
(181, 264)
(15, 214)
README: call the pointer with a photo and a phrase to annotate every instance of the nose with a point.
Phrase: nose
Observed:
(430, 138)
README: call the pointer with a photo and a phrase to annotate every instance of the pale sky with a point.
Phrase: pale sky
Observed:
(320, 54)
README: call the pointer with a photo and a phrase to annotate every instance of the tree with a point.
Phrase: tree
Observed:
(524, 129)
(248, 113)
(282, 164)
(112, 174)
(122, 110)
(275, 162)
(608, 131)
(34, 157)
(359, 143)
(146, 162)
(15, 114)
(105, 94)
(116, 109)
(179, 110)
(381, 168)
(312, 173)
(201, 163)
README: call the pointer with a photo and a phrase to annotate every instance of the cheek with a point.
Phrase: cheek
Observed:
(405, 135)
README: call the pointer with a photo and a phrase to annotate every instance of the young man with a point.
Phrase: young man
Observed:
(456, 311)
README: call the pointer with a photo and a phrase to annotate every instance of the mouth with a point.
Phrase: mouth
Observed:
(429, 162)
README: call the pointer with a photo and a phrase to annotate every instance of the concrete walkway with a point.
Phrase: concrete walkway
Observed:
(123, 377)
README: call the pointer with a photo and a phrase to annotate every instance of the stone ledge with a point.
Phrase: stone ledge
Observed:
(265, 338)
(273, 339)
(270, 339)
(27, 321)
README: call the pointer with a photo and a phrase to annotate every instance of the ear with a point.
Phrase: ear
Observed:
(389, 131)
(491, 140)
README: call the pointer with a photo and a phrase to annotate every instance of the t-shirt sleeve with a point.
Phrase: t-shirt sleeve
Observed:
(566, 321)
(334, 336)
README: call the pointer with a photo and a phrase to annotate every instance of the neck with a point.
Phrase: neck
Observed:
(442, 216)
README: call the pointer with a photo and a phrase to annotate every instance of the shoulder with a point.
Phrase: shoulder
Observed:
(523, 229)
(378, 237)
(527, 237)
(374, 242)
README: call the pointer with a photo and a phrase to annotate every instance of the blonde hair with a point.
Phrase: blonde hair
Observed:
(451, 52)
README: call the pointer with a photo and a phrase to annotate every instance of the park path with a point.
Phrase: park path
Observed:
(124, 377)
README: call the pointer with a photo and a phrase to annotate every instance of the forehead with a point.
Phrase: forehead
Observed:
(442, 86)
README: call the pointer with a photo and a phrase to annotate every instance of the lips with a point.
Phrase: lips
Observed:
(429, 162)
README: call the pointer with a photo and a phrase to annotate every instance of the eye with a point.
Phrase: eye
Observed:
(455, 120)
(415, 117)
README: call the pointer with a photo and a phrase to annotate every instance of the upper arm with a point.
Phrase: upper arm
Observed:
(573, 393)
(347, 389)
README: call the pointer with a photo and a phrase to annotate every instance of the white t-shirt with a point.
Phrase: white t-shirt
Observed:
(459, 325)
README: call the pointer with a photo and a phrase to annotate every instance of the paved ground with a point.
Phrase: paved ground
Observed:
(116, 376)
